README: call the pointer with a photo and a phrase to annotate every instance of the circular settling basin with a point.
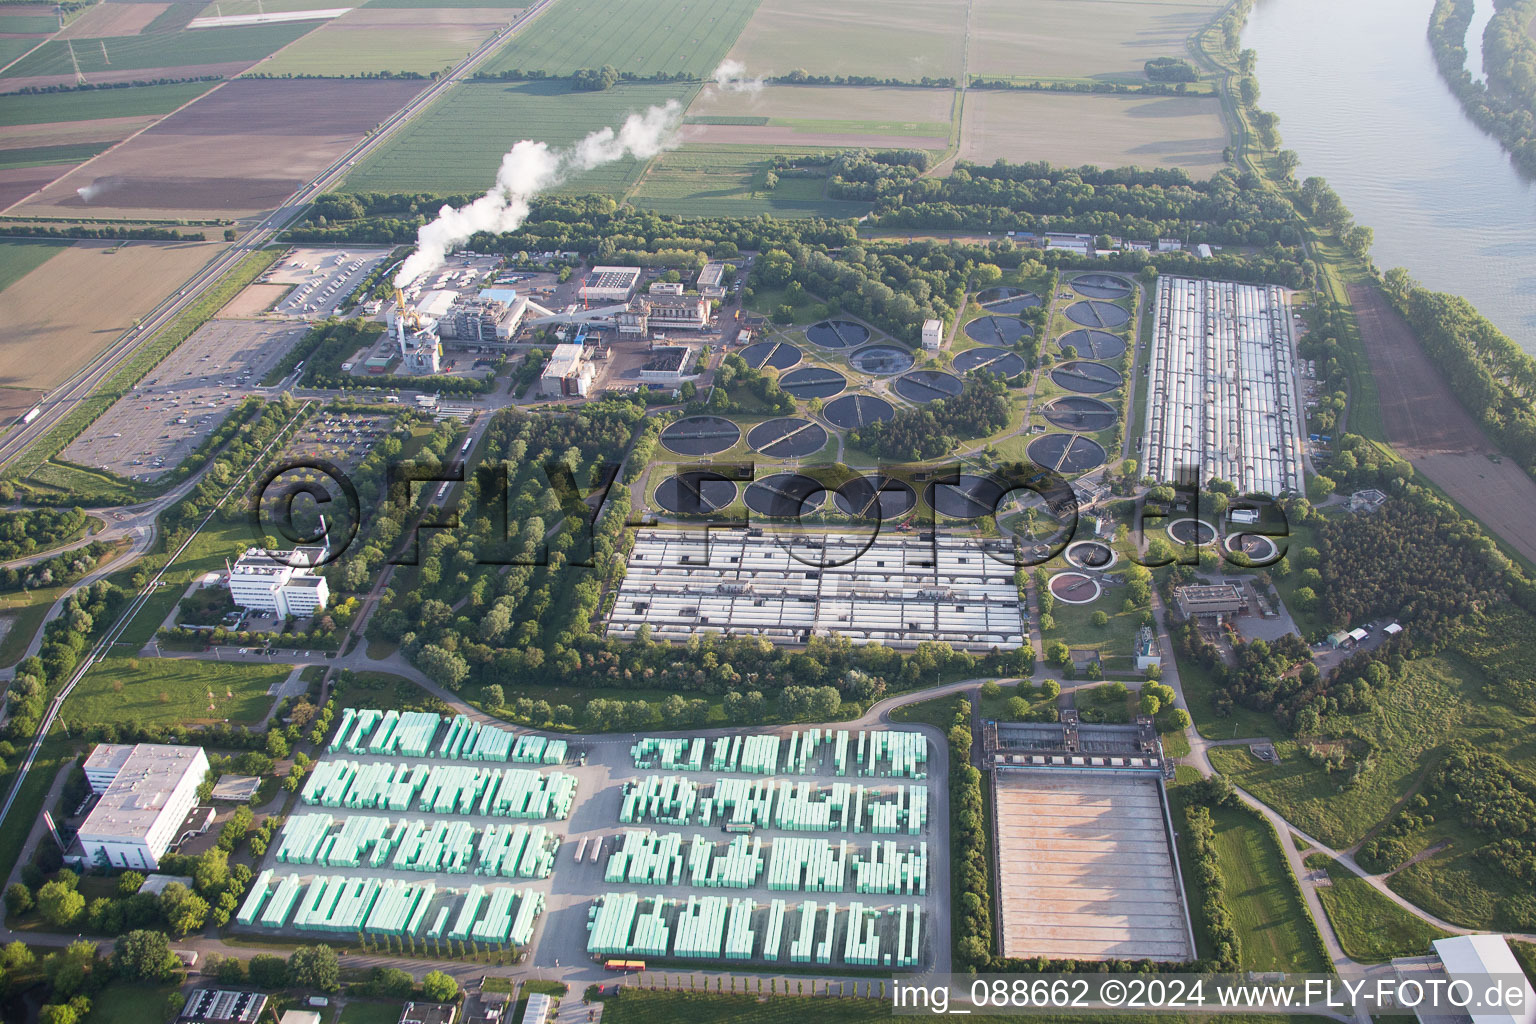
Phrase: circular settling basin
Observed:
(700, 435)
(970, 497)
(775, 355)
(852, 411)
(875, 497)
(1092, 344)
(1087, 378)
(694, 494)
(1067, 454)
(1191, 531)
(997, 330)
(1075, 412)
(1256, 547)
(1075, 588)
(993, 360)
(813, 382)
(1094, 313)
(1101, 286)
(922, 386)
(837, 334)
(1091, 554)
(785, 496)
(1007, 300)
(880, 360)
(787, 438)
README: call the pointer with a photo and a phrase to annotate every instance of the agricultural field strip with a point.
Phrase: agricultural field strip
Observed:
(641, 37)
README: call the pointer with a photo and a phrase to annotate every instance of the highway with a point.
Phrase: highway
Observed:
(62, 400)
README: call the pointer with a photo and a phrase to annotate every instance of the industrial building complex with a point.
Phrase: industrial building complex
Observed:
(1222, 399)
(147, 793)
(280, 583)
(898, 590)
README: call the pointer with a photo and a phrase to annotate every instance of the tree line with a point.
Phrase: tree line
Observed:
(1504, 106)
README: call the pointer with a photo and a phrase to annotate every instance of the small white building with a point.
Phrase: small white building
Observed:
(933, 334)
(142, 810)
(281, 583)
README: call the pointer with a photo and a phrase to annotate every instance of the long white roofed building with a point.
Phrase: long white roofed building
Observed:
(1222, 398)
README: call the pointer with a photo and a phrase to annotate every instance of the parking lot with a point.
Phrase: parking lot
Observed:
(323, 278)
(340, 438)
(184, 399)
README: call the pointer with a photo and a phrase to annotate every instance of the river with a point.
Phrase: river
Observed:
(1360, 99)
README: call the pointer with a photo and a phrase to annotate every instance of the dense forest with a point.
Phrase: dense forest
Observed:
(934, 430)
(1494, 379)
(1507, 111)
(31, 530)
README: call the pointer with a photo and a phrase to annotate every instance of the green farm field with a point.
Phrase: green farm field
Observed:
(179, 49)
(44, 156)
(478, 122)
(874, 108)
(19, 258)
(10, 49)
(1272, 921)
(168, 691)
(396, 40)
(903, 39)
(728, 181)
(1089, 40)
(92, 104)
(640, 37)
(1107, 131)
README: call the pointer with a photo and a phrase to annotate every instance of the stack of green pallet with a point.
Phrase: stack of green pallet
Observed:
(669, 799)
(760, 755)
(528, 910)
(862, 943)
(739, 936)
(803, 946)
(807, 864)
(670, 753)
(726, 753)
(700, 927)
(773, 936)
(739, 867)
(255, 898)
(646, 858)
(892, 871)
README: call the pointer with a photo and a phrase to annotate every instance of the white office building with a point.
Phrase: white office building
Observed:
(141, 813)
(280, 583)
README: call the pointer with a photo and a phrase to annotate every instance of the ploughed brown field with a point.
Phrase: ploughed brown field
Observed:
(1429, 427)
(50, 330)
(241, 149)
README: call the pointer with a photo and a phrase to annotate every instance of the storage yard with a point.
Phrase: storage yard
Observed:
(898, 590)
(1221, 387)
(322, 279)
(450, 830)
(149, 431)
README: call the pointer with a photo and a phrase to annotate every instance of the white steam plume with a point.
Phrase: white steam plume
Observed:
(528, 169)
(731, 76)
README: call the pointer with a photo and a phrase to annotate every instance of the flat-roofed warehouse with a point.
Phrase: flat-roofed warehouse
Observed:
(895, 590)
(609, 284)
(1087, 868)
(1222, 399)
(151, 790)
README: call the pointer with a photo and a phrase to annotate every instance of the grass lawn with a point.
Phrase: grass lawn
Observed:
(90, 104)
(640, 37)
(1438, 700)
(479, 121)
(1199, 685)
(644, 1006)
(25, 609)
(359, 1012)
(164, 691)
(1113, 640)
(54, 754)
(354, 44)
(161, 50)
(1272, 921)
(1457, 885)
(19, 257)
(130, 1004)
(729, 181)
(1371, 928)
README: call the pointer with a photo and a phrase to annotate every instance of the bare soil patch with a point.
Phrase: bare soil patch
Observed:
(1106, 130)
(239, 150)
(68, 133)
(14, 402)
(1429, 427)
(255, 300)
(50, 330)
(105, 20)
(16, 183)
